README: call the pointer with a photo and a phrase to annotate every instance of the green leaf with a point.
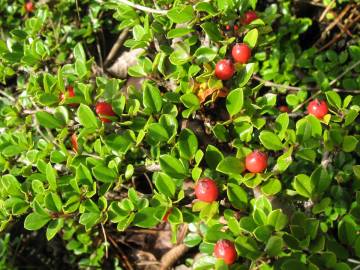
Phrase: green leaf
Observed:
(259, 216)
(247, 248)
(51, 177)
(53, 202)
(145, 218)
(53, 228)
(104, 174)
(333, 98)
(274, 246)
(237, 196)
(231, 165)
(188, 144)
(35, 221)
(350, 117)
(245, 74)
(302, 185)
(281, 124)
(80, 68)
(152, 98)
(270, 140)
(47, 120)
(87, 117)
(251, 38)
(164, 184)
(212, 30)
(349, 143)
(157, 132)
(320, 180)
(263, 233)
(205, 54)
(213, 156)
(178, 32)
(79, 52)
(347, 230)
(235, 101)
(173, 167)
(277, 219)
(181, 14)
(190, 100)
(271, 187)
(192, 239)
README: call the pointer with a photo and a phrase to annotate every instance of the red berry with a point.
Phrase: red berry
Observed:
(225, 249)
(74, 142)
(29, 6)
(224, 69)
(228, 27)
(104, 109)
(256, 162)
(166, 216)
(317, 108)
(241, 53)
(249, 16)
(236, 27)
(70, 93)
(284, 108)
(206, 190)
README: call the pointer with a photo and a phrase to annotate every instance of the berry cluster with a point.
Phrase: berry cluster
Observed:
(241, 52)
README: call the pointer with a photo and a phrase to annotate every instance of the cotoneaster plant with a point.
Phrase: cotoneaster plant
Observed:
(174, 131)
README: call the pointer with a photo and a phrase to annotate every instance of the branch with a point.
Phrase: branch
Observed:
(296, 88)
(3, 93)
(117, 45)
(344, 73)
(142, 8)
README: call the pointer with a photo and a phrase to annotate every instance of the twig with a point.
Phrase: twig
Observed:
(296, 88)
(7, 96)
(117, 45)
(338, 36)
(105, 241)
(170, 257)
(123, 256)
(332, 24)
(148, 168)
(325, 159)
(345, 72)
(142, 8)
(306, 101)
(149, 181)
(326, 10)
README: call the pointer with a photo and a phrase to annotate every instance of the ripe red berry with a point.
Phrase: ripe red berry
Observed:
(224, 69)
(206, 190)
(249, 16)
(166, 216)
(29, 6)
(74, 142)
(70, 93)
(228, 27)
(241, 53)
(256, 162)
(317, 108)
(284, 108)
(104, 109)
(236, 27)
(225, 249)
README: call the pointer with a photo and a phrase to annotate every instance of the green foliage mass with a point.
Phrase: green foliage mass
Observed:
(180, 125)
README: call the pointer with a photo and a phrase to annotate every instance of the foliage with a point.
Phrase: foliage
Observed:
(180, 125)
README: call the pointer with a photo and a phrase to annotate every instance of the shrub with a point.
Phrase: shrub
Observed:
(84, 148)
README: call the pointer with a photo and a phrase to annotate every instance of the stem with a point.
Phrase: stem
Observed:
(296, 88)
(344, 73)
(3, 93)
(146, 9)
